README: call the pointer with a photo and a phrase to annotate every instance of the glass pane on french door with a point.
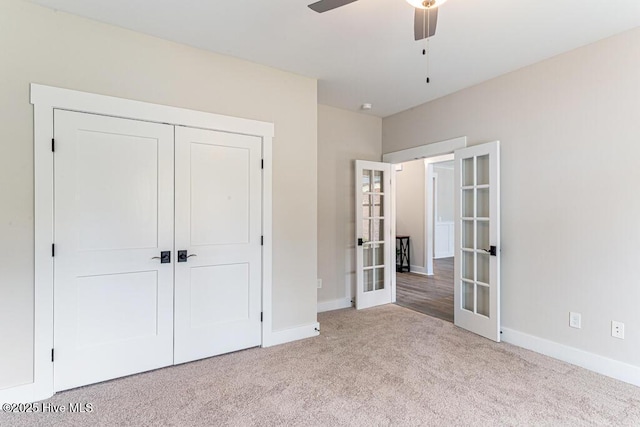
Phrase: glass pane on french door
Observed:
(373, 199)
(475, 213)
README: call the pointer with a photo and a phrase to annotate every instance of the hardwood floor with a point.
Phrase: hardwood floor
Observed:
(431, 295)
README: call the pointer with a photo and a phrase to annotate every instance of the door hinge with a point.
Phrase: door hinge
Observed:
(52, 355)
(261, 240)
(261, 316)
(262, 164)
(53, 145)
(53, 249)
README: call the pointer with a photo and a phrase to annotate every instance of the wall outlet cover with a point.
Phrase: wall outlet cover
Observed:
(617, 329)
(575, 320)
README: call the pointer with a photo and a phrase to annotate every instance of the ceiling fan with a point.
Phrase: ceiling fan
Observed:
(425, 17)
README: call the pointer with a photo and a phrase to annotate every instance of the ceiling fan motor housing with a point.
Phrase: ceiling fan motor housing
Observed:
(426, 4)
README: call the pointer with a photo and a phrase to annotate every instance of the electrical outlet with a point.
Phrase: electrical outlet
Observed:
(319, 283)
(617, 329)
(575, 320)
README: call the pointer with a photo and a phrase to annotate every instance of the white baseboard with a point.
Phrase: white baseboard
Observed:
(20, 394)
(335, 304)
(593, 362)
(293, 334)
(419, 270)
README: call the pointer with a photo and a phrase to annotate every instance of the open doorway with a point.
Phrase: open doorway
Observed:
(425, 236)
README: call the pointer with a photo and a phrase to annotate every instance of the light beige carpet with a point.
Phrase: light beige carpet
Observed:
(382, 366)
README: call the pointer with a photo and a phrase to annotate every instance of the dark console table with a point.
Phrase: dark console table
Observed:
(403, 254)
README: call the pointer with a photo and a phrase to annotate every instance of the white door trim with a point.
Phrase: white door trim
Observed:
(392, 245)
(431, 202)
(45, 99)
(424, 151)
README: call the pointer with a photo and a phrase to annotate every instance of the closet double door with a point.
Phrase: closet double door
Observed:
(157, 254)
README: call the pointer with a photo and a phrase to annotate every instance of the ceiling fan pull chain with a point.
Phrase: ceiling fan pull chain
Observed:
(428, 79)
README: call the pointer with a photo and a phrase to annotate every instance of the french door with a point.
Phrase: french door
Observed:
(136, 288)
(373, 234)
(477, 239)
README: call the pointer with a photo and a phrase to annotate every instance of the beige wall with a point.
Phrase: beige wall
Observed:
(343, 137)
(444, 191)
(569, 129)
(42, 46)
(410, 201)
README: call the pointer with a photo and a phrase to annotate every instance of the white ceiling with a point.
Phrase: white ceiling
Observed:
(364, 51)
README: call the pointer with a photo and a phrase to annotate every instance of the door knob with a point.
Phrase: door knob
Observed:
(491, 251)
(165, 257)
(183, 257)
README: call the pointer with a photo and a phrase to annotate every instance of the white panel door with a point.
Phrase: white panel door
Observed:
(477, 240)
(373, 234)
(218, 238)
(113, 298)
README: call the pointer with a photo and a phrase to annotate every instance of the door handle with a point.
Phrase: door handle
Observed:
(165, 257)
(183, 257)
(491, 251)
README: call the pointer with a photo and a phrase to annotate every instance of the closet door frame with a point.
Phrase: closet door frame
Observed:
(45, 100)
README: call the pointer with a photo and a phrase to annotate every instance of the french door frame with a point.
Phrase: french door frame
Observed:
(45, 100)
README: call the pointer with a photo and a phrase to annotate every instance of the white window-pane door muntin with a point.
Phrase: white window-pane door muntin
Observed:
(477, 240)
(373, 234)
(114, 226)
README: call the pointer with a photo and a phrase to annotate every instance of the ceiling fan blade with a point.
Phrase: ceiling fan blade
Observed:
(325, 5)
(424, 23)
